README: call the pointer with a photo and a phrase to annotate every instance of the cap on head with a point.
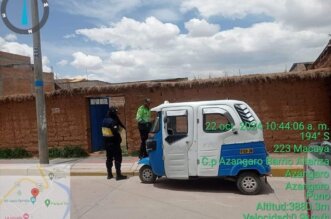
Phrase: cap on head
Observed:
(112, 110)
(147, 100)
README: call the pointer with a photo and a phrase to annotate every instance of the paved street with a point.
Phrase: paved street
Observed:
(94, 165)
(95, 197)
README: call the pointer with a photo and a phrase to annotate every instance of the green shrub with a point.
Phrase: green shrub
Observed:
(134, 153)
(54, 152)
(67, 152)
(20, 153)
(5, 153)
(14, 153)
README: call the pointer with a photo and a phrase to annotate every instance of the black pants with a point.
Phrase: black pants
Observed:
(143, 138)
(113, 152)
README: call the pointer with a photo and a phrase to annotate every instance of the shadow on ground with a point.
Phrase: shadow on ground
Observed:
(214, 185)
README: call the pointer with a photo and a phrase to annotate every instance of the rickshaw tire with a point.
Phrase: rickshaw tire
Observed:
(252, 180)
(146, 171)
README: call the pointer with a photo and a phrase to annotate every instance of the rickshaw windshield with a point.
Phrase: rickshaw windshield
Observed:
(156, 124)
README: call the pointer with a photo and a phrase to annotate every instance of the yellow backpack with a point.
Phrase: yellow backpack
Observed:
(106, 132)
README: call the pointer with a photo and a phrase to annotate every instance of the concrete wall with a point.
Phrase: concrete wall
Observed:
(301, 97)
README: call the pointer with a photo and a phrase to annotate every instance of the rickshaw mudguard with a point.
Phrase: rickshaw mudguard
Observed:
(144, 161)
(262, 170)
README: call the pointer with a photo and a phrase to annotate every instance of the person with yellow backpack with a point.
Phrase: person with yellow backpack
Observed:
(112, 142)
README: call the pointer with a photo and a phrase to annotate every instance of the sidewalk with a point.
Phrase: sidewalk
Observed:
(94, 165)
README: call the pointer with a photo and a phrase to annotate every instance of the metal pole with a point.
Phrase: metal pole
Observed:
(39, 87)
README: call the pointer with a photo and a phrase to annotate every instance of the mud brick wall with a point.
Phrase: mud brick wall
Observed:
(297, 98)
(66, 119)
(18, 125)
(67, 122)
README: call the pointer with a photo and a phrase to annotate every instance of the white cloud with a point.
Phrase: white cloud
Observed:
(229, 9)
(46, 63)
(304, 14)
(11, 37)
(69, 36)
(24, 50)
(201, 28)
(297, 13)
(15, 47)
(165, 14)
(84, 61)
(129, 33)
(152, 49)
(63, 63)
(107, 11)
(122, 58)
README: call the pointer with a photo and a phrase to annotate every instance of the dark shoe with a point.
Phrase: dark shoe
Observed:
(121, 177)
(110, 176)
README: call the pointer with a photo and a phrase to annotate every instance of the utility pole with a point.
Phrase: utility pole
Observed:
(39, 88)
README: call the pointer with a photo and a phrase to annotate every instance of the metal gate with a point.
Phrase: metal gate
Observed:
(98, 111)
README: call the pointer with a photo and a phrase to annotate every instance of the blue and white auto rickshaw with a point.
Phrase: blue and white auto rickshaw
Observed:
(221, 138)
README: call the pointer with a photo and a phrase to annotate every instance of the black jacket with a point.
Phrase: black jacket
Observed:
(114, 125)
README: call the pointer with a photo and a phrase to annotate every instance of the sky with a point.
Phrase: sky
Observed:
(134, 40)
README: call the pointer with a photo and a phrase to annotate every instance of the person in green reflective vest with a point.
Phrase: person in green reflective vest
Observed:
(143, 118)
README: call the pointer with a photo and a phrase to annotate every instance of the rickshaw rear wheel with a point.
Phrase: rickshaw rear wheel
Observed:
(249, 183)
(146, 175)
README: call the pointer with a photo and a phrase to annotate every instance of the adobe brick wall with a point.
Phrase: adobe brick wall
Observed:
(18, 126)
(281, 99)
(66, 119)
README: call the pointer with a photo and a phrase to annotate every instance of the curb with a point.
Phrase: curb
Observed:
(76, 173)
(276, 171)
(132, 170)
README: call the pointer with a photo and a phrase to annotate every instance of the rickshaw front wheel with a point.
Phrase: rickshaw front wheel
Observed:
(146, 175)
(249, 183)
